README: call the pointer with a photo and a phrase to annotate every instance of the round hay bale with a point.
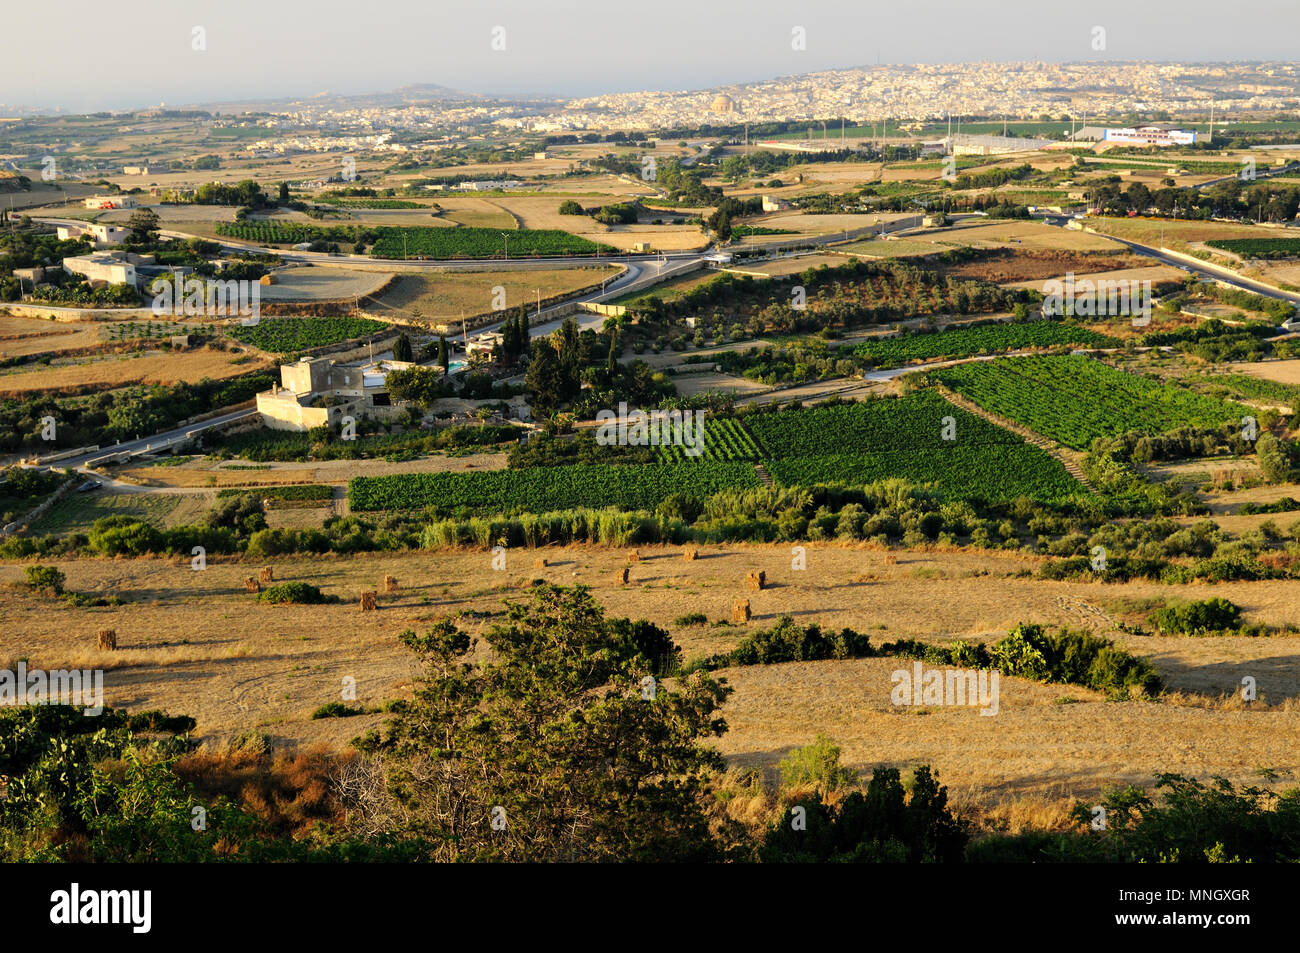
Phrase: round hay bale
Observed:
(740, 611)
(108, 639)
(756, 580)
(390, 583)
(265, 574)
(252, 585)
(368, 601)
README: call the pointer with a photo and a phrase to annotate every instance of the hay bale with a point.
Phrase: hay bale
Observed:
(265, 575)
(368, 601)
(540, 563)
(390, 584)
(755, 580)
(891, 559)
(634, 556)
(108, 639)
(740, 611)
(252, 585)
(690, 554)
(621, 575)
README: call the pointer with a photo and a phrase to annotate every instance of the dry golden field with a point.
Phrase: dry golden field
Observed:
(190, 366)
(196, 642)
(447, 295)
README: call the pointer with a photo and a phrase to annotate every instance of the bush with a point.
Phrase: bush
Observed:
(882, 825)
(1197, 618)
(46, 578)
(296, 593)
(816, 764)
(337, 710)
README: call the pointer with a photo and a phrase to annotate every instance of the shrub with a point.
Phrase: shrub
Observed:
(296, 593)
(1197, 618)
(816, 764)
(337, 710)
(46, 578)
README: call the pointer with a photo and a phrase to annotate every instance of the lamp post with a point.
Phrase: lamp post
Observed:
(506, 236)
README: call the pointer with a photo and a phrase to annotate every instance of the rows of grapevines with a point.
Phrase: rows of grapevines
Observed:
(270, 233)
(984, 339)
(541, 489)
(1075, 399)
(466, 242)
(724, 438)
(284, 335)
(996, 473)
(912, 423)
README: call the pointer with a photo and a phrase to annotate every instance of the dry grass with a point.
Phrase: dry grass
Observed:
(196, 643)
(445, 296)
(188, 366)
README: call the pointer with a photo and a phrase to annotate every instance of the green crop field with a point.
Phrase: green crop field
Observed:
(914, 423)
(466, 242)
(724, 439)
(989, 471)
(985, 339)
(1075, 399)
(285, 335)
(1259, 247)
(542, 489)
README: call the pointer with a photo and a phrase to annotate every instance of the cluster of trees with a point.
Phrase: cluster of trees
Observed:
(1231, 199)
(247, 194)
(117, 415)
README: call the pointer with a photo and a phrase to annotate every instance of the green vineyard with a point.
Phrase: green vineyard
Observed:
(1259, 247)
(1074, 400)
(285, 335)
(465, 242)
(724, 439)
(914, 423)
(541, 489)
(991, 472)
(984, 339)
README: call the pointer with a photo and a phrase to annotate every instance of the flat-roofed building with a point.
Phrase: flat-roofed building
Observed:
(116, 271)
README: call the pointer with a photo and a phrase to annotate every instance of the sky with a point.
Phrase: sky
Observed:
(83, 55)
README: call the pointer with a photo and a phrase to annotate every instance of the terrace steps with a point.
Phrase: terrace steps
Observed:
(1070, 459)
(764, 477)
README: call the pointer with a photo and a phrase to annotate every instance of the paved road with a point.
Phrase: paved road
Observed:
(155, 441)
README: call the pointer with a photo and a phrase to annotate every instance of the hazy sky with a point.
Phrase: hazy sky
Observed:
(83, 55)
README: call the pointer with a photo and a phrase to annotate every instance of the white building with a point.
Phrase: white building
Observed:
(316, 391)
(115, 271)
(110, 201)
(1151, 136)
(100, 234)
(482, 345)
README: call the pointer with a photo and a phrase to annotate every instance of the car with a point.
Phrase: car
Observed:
(89, 486)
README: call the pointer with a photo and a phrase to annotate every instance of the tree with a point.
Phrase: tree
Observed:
(283, 198)
(570, 207)
(444, 354)
(402, 349)
(545, 378)
(552, 750)
(143, 225)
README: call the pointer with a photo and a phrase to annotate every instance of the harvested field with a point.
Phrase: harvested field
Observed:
(446, 295)
(189, 366)
(198, 643)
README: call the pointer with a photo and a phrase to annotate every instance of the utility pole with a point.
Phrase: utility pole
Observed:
(506, 236)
